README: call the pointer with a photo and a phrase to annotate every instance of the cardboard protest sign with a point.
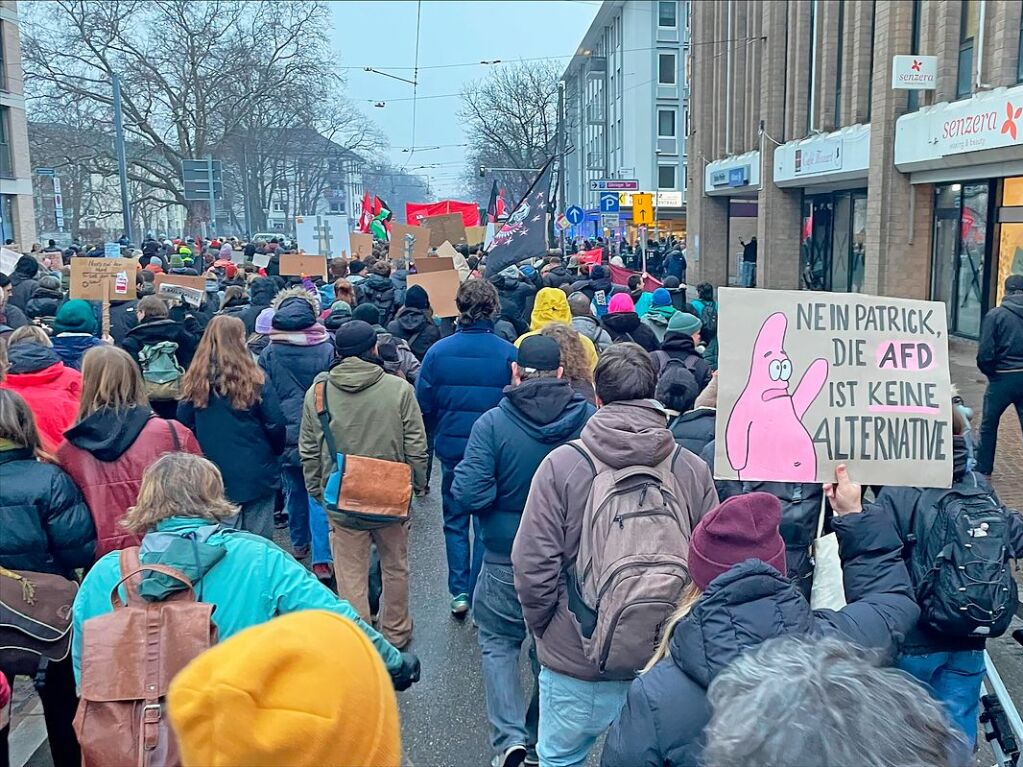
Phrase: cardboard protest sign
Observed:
(362, 245)
(408, 242)
(297, 264)
(183, 280)
(8, 260)
(435, 264)
(190, 296)
(441, 287)
(238, 257)
(807, 381)
(475, 235)
(450, 227)
(103, 279)
(326, 236)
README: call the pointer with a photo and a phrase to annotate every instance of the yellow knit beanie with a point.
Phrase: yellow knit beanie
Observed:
(304, 689)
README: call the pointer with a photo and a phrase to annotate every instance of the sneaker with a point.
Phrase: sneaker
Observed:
(532, 758)
(323, 571)
(460, 605)
(513, 756)
(300, 552)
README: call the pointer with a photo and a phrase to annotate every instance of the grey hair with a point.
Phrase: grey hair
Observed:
(800, 701)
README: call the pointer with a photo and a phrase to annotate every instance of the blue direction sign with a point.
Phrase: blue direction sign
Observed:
(609, 202)
(575, 215)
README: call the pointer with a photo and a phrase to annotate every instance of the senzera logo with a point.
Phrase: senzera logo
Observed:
(1011, 115)
(916, 65)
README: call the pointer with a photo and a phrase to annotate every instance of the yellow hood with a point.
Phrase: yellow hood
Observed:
(551, 305)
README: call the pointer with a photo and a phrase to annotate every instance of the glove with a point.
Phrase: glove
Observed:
(407, 673)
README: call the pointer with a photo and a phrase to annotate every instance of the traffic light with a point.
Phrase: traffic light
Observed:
(483, 171)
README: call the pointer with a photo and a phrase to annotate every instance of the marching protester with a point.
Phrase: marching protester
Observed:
(237, 420)
(74, 332)
(585, 323)
(516, 296)
(261, 294)
(679, 343)
(706, 308)
(47, 529)
(51, 389)
(11, 317)
(660, 313)
(538, 413)
(379, 290)
(115, 438)
(23, 282)
(583, 685)
(623, 324)
(414, 322)
(395, 353)
(576, 363)
(551, 306)
(356, 409)
(46, 299)
(462, 377)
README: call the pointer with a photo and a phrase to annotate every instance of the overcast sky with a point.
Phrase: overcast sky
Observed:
(383, 35)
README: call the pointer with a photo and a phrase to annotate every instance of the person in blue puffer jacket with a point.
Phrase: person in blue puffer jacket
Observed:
(462, 377)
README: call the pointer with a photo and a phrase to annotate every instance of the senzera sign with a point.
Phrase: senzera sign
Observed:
(914, 73)
(982, 127)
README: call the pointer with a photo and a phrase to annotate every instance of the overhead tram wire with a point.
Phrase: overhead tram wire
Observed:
(415, 84)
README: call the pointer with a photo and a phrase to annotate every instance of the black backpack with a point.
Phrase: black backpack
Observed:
(961, 572)
(709, 318)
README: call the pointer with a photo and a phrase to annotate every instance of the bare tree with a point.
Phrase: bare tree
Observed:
(395, 186)
(511, 121)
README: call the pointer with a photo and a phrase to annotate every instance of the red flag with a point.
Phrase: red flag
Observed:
(367, 215)
(415, 212)
(500, 206)
(620, 276)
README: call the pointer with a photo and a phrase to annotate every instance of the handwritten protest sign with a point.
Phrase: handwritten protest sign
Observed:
(103, 279)
(297, 264)
(441, 287)
(408, 242)
(811, 380)
(450, 227)
(261, 260)
(184, 280)
(190, 296)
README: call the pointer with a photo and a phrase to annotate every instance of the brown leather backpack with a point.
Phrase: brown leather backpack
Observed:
(129, 657)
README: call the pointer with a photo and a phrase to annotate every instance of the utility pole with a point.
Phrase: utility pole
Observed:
(213, 196)
(561, 158)
(122, 163)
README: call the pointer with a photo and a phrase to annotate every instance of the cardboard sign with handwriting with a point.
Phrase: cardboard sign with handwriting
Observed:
(435, 264)
(450, 227)
(184, 280)
(101, 279)
(362, 245)
(297, 264)
(409, 242)
(441, 287)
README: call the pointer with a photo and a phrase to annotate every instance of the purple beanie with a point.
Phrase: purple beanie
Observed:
(743, 527)
(264, 321)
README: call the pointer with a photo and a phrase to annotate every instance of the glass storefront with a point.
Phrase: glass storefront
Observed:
(833, 241)
(959, 265)
(1010, 235)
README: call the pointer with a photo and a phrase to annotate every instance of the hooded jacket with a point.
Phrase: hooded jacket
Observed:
(248, 578)
(246, 445)
(666, 710)
(372, 414)
(261, 294)
(462, 377)
(657, 318)
(1001, 338)
(552, 306)
(620, 434)
(46, 524)
(675, 265)
(415, 328)
(51, 389)
(591, 329)
(626, 326)
(71, 347)
(153, 331)
(24, 282)
(43, 303)
(106, 455)
(557, 277)
(516, 296)
(695, 430)
(505, 448)
(379, 291)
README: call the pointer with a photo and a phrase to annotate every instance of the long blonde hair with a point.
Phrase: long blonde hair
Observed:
(179, 485)
(110, 381)
(690, 595)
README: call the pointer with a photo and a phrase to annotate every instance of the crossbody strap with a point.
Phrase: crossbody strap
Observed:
(323, 412)
(174, 436)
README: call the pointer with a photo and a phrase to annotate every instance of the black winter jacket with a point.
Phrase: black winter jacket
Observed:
(626, 326)
(22, 289)
(557, 277)
(419, 331)
(44, 303)
(122, 319)
(47, 528)
(666, 709)
(680, 346)
(290, 371)
(505, 448)
(379, 291)
(695, 430)
(516, 300)
(154, 331)
(1001, 338)
(261, 293)
(246, 445)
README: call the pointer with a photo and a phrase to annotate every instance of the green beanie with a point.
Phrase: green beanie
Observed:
(75, 316)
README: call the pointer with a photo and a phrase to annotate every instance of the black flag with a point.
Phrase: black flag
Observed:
(524, 234)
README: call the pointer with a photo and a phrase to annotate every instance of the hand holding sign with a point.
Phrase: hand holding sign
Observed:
(845, 496)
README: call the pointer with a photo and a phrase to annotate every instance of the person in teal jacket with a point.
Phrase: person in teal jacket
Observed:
(182, 507)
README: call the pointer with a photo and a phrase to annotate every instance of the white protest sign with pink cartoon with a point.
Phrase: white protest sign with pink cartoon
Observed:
(807, 381)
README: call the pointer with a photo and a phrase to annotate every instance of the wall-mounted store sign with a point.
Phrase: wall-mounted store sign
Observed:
(914, 73)
(733, 175)
(719, 178)
(825, 159)
(823, 156)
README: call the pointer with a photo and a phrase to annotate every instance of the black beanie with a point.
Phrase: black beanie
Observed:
(369, 313)
(416, 298)
(354, 338)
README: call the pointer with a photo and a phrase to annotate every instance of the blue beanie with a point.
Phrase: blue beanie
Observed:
(661, 297)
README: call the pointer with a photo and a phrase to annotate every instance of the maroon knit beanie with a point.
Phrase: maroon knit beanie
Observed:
(743, 527)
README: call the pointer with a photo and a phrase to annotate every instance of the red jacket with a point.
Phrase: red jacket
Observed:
(106, 455)
(51, 390)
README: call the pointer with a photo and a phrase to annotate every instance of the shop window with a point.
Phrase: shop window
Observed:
(666, 69)
(1010, 236)
(667, 14)
(960, 251)
(968, 24)
(833, 242)
(6, 165)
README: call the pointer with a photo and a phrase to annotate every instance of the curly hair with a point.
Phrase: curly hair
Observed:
(179, 485)
(223, 363)
(573, 353)
(476, 300)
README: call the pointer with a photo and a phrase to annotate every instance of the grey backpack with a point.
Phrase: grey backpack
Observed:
(632, 563)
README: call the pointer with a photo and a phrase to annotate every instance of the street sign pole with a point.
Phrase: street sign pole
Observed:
(122, 163)
(213, 196)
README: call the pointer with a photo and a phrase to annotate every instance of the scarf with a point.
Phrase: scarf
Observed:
(310, 336)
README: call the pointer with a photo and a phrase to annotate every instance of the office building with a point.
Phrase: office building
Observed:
(17, 218)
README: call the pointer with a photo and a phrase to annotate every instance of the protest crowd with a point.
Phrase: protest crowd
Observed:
(564, 408)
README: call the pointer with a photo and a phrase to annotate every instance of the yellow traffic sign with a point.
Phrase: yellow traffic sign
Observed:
(642, 208)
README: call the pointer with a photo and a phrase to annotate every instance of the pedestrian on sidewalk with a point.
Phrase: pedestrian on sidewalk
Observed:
(462, 377)
(374, 415)
(749, 262)
(1000, 358)
(539, 412)
(237, 419)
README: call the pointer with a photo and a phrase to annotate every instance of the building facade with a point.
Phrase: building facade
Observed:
(799, 138)
(626, 107)
(17, 219)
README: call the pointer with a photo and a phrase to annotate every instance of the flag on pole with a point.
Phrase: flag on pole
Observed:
(366, 216)
(380, 221)
(524, 234)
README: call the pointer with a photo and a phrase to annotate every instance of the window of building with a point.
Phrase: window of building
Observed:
(1019, 53)
(913, 99)
(3, 58)
(666, 69)
(278, 206)
(667, 14)
(665, 176)
(337, 206)
(959, 260)
(665, 123)
(6, 166)
(969, 22)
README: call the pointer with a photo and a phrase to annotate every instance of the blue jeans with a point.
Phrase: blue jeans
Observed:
(573, 714)
(749, 274)
(319, 531)
(463, 563)
(296, 501)
(502, 630)
(954, 679)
